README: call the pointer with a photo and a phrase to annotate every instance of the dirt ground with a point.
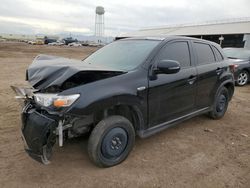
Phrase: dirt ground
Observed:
(182, 156)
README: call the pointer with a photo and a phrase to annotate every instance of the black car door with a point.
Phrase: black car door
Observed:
(172, 95)
(208, 73)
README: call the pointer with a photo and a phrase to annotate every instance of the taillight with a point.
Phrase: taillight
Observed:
(233, 68)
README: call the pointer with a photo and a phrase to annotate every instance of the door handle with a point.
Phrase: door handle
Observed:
(191, 79)
(218, 70)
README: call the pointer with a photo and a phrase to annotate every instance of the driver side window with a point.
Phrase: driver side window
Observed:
(177, 51)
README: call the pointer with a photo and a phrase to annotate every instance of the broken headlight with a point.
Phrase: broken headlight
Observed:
(55, 99)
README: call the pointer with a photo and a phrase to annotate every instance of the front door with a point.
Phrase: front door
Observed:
(172, 95)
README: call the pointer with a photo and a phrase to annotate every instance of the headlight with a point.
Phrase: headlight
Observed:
(55, 99)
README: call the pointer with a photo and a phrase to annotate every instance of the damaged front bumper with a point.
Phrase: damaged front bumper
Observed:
(39, 130)
(39, 134)
(41, 126)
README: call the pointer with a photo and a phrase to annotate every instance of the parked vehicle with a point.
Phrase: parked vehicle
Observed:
(58, 43)
(94, 44)
(39, 42)
(241, 59)
(85, 44)
(134, 86)
(52, 43)
(76, 44)
(69, 40)
(49, 40)
(31, 42)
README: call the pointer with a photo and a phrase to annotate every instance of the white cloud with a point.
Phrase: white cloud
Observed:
(45, 25)
(78, 16)
(77, 30)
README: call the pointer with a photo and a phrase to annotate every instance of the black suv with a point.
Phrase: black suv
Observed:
(134, 86)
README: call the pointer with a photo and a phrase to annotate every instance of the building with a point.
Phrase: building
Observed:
(228, 33)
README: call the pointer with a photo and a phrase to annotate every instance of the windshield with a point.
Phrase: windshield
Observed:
(123, 55)
(237, 53)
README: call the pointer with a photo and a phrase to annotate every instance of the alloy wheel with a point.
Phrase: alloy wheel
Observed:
(242, 78)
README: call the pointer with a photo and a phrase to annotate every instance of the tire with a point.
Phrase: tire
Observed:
(242, 78)
(220, 105)
(111, 141)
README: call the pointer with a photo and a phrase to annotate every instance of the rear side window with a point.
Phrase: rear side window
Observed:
(218, 54)
(204, 52)
(178, 51)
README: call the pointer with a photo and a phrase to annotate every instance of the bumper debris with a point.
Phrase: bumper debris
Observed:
(39, 134)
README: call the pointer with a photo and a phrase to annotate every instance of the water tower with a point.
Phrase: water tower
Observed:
(99, 21)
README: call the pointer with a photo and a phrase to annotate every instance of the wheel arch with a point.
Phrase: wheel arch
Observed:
(230, 88)
(130, 111)
(247, 70)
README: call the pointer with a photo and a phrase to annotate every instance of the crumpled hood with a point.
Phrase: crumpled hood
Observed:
(239, 61)
(47, 70)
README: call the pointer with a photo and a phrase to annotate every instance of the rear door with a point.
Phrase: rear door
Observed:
(172, 95)
(208, 73)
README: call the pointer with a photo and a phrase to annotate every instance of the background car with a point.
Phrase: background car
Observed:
(240, 58)
(39, 42)
(58, 43)
(76, 44)
(31, 42)
(69, 40)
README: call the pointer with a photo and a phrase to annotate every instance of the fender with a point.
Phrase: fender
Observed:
(137, 108)
(223, 84)
(110, 92)
(104, 103)
(136, 104)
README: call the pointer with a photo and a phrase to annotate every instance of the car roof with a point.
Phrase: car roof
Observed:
(155, 38)
(171, 37)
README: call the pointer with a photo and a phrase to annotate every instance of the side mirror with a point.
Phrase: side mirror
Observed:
(167, 67)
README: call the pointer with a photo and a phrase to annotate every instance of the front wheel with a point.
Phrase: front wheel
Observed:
(111, 141)
(220, 105)
(242, 78)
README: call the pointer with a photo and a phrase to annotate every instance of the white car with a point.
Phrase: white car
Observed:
(31, 42)
(56, 43)
(75, 44)
(93, 44)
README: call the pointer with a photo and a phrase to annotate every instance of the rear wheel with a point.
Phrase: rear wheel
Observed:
(220, 104)
(111, 141)
(242, 78)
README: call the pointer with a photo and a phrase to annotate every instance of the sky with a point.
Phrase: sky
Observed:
(121, 16)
